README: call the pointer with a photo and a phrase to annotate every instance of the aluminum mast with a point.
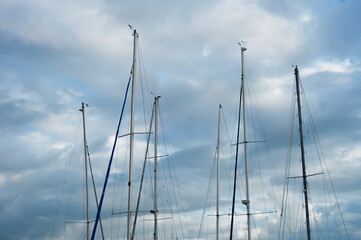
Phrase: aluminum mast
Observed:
(218, 143)
(246, 201)
(155, 166)
(86, 172)
(135, 35)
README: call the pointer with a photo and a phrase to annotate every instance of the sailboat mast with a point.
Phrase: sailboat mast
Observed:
(241, 92)
(245, 202)
(155, 167)
(218, 143)
(304, 176)
(131, 146)
(86, 173)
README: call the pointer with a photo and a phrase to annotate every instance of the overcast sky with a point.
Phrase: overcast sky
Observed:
(56, 54)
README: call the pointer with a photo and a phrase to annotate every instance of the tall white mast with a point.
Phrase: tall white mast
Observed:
(218, 142)
(135, 35)
(245, 202)
(86, 173)
(155, 167)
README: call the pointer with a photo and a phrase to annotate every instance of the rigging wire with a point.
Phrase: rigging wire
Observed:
(140, 65)
(287, 169)
(318, 149)
(271, 166)
(94, 189)
(119, 179)
(318, 143)
(315, 206)
(167, 193)
(141, 181)
(255, 116)
(208, 191)
(236, 160)
(173, 175)
(144, 102)
(110, 164)
(141, 59)
(229, 171)
(254, 102)
(232, 155)
(72, 188)
(70, 157)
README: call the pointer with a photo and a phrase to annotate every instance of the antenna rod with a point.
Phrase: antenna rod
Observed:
(86, 172)
(304, 175)
(131, 146)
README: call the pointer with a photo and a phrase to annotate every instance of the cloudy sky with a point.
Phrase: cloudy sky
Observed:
(56, 54)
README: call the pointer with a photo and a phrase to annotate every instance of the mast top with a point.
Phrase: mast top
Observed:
(134, 30)
(242, 48)
(296, 70)
(135, 33)
(82, 106)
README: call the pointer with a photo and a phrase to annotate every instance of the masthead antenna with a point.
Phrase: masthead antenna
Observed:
(242, 44)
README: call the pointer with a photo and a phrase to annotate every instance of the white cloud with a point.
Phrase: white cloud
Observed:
(334, 66)
(305, 18)
(65, 26)
(2, 180)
